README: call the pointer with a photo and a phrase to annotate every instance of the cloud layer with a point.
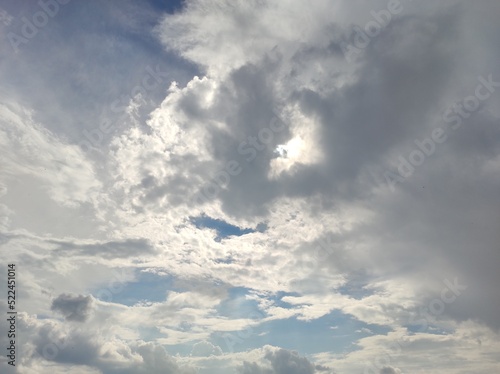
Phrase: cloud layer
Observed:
(253, 187)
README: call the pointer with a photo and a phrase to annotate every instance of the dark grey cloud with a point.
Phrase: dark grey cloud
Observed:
(398, 87)
(403, 83)
(75, 308)
(76, 345)
(289, 362)
(73, 346)
(441, 221)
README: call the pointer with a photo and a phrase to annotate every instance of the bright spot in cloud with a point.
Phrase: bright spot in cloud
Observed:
(281, 151)
(301, 149)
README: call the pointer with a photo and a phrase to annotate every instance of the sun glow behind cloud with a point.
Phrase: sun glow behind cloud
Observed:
(301, 149)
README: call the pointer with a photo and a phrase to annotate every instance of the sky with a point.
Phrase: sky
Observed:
(250, 186)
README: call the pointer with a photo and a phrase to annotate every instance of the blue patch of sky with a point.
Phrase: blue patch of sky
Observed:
(277, 299)
(147, 288)
(237, 305)
(223, 229)
(168, 6)
(335, 332)
(128, 43)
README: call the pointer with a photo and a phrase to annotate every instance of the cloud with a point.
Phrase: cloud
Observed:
(339, 244)
(29, 149)
(81, 348)
(73, 307)
(205, 349)
(282, 361)
(390, 370)
(253, 368)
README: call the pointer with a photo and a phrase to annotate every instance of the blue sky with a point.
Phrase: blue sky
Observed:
(169, 6)
(223, 229)
(249, 187)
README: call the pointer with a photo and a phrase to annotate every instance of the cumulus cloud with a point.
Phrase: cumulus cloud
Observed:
(205, 348)
(282, 361)
(79, 348)
(253, 368)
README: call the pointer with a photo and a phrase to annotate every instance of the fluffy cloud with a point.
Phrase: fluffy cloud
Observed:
(205, 348)
(78, 348)
(357, 137)
(282, 361)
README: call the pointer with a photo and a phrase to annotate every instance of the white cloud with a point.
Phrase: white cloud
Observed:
(282, 361)
(29, 149)
(205, 349)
